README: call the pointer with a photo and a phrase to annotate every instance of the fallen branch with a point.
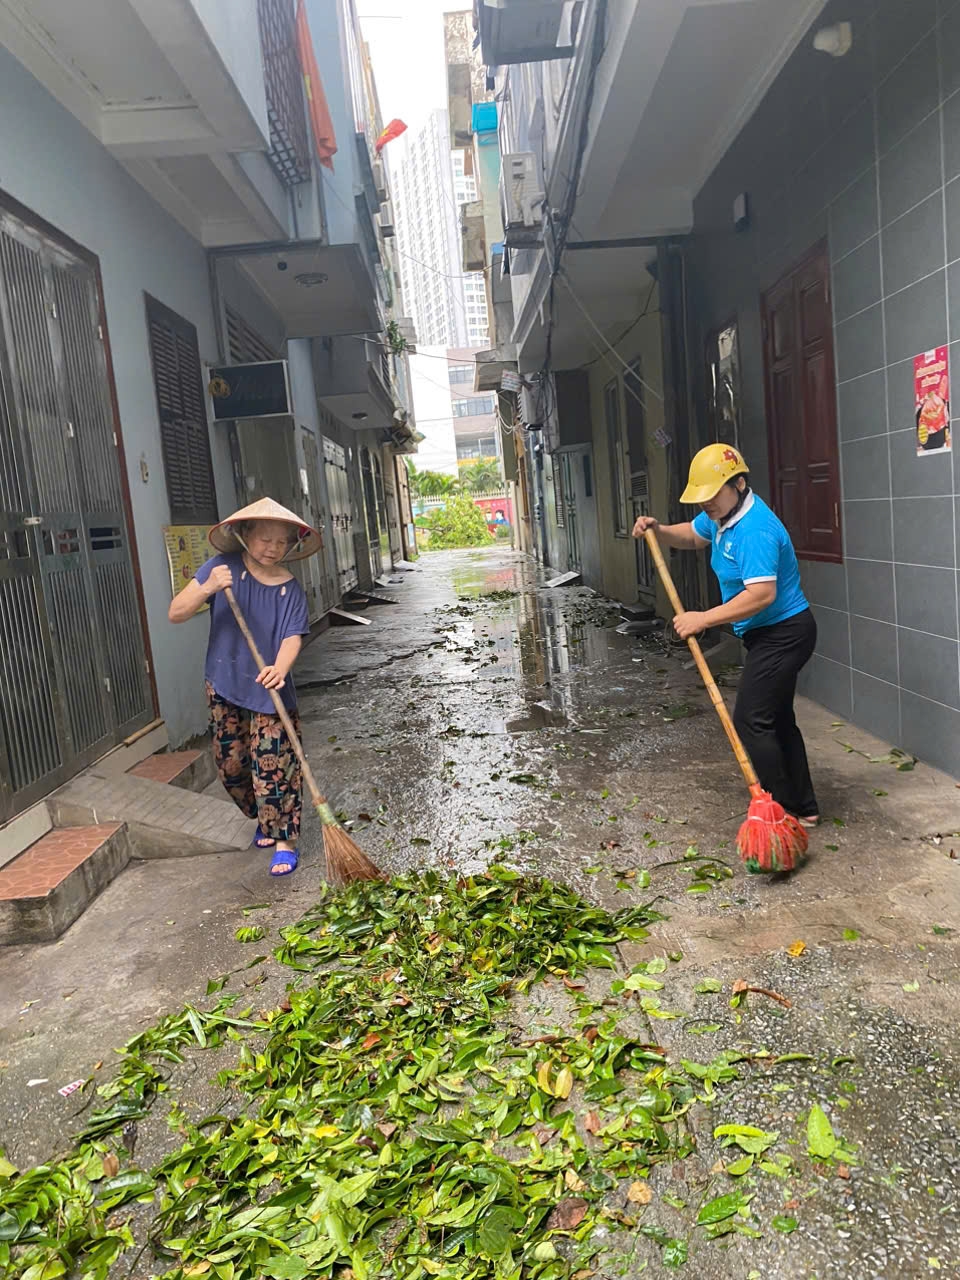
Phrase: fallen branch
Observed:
(739, 987)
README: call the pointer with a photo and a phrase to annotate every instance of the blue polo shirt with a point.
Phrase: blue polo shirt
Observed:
(754, 547)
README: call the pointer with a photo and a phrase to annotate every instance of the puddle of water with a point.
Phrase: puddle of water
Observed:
(539, 716)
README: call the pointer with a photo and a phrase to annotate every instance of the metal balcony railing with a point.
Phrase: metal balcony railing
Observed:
(289, 152)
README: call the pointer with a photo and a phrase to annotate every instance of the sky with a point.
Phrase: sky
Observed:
(406, 45)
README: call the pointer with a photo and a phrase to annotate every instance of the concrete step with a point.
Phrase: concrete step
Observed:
(637, 613)
(162, 821)
(192, 770)
(17, 835)
(53, 882)
(22, 831)
(140, 747)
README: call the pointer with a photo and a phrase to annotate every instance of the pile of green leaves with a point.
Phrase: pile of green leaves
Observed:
(388, 1116)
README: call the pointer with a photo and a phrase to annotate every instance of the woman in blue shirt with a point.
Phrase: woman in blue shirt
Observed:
(255, 759)
(756, 566)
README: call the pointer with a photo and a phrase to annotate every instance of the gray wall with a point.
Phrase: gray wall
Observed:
(50, 163)
(865, 151)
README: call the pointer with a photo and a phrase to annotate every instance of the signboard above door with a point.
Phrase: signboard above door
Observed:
(260, 390)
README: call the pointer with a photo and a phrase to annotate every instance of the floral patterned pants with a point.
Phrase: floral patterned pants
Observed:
(258, 767)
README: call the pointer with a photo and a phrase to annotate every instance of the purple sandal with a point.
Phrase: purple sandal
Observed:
(288, 858)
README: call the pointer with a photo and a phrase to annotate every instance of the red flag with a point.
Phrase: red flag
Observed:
(393, 130)
(320, 121)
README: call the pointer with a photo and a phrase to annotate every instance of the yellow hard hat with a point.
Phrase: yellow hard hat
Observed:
(710, 470)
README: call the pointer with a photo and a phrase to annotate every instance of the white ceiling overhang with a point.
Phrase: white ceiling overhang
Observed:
(723, 57)
(173, 100)
(606, 288)
(677, 83)
(318, 290)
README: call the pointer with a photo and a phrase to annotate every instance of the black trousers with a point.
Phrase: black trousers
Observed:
(764, 712)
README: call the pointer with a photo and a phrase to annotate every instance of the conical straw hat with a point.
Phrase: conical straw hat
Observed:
(308, 541)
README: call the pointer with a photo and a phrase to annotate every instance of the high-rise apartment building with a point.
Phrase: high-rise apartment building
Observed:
(448, 306)
(464, 184)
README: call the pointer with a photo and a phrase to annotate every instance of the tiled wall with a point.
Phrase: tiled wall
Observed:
(863, 150)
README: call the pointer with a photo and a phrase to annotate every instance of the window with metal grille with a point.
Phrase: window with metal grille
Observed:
(184, 435)
(289, 152)
(244, 343)
(559, 490)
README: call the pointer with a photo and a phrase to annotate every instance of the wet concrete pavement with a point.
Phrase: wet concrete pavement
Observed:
(485, 715)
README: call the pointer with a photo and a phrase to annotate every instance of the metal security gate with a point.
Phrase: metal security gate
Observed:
(382, 518)
(74, 679)
(323, 572)
(394, 523)
(371, 507)
(567, 485)
(341, 514)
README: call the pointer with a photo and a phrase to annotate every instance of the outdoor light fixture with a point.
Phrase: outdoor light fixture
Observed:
(836, 40)
(359, 417)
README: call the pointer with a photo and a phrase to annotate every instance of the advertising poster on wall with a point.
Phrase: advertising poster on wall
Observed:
(931, 390)
(187, 549)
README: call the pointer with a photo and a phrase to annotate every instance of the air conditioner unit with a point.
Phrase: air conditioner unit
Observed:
(379, 180)
(387, 224)
(407, 328)
(473, 233)
(521, 199)
(260, 389)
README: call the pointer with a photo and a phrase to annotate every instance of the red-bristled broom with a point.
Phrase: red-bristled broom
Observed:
(771, 839)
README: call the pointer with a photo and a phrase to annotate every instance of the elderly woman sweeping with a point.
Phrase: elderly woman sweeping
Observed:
(756, 565)
(255, 759)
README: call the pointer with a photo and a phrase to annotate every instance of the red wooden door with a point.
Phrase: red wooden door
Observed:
(802, 407)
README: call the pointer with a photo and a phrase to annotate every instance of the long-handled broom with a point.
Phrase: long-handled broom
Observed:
(346, 861)
(771, 839)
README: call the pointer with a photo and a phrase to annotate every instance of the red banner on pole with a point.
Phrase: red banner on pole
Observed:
(320, 122)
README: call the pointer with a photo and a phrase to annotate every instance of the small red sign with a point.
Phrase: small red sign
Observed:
(931, 390)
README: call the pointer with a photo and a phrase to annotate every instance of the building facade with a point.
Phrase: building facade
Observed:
(165, 213)
(447, 304)
(769, 262)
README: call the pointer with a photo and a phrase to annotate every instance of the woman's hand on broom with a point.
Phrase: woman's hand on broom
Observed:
(643, 524)
(690, 623)
(274, 674)
(220, 578)
(272, 677)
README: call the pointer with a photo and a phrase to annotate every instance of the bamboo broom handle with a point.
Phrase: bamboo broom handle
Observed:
(282, 712)
(706, 674)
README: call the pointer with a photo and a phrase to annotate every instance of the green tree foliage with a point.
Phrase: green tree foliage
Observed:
(431, 484)
(458, 524)
(482, 476)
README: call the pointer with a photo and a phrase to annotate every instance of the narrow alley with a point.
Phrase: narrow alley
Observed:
(488, 718)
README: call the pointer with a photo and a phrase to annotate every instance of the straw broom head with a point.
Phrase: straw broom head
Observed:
(346, 861)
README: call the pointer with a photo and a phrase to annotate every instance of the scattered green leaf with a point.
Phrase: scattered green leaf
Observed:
(821, 1140)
